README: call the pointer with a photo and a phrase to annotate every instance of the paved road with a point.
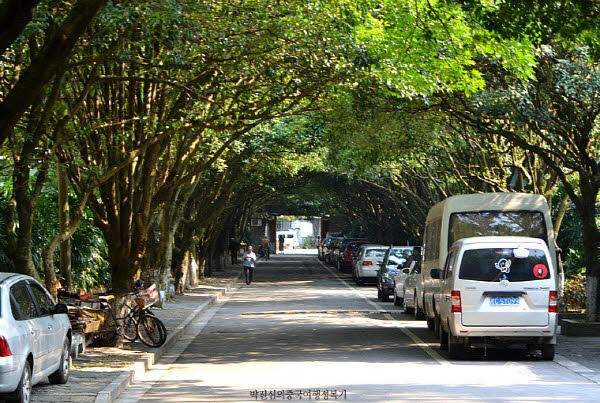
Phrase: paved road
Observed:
(300, 328)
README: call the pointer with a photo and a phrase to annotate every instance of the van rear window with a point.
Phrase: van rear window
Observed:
(497, 223)
(496, 264)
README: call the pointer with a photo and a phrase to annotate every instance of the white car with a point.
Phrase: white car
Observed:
(498, 290)
(35, 337)
(402, 276)
(364, 267)
(413, 292)
(400, 279)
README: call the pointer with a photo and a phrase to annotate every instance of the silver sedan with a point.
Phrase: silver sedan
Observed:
(35, 337)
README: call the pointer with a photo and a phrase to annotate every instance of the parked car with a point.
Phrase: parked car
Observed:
(328, 248)
(339, 248)
(35, 337)
(348, 254)
(322, 248)
(364, 267)
(394, 257)
(403, 274)
(498, 290)
(413, 292)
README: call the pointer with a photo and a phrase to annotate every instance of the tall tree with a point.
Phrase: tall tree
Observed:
(46, 64)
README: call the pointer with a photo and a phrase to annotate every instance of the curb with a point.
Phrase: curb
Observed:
(112, 391)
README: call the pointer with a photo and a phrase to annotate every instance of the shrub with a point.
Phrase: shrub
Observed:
(574, 296)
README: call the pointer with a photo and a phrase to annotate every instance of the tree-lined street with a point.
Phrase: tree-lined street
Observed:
(302, 327)
(146, 143)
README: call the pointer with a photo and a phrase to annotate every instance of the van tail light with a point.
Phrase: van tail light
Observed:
(553, 302)
(4, 347)
(367, 263)
(456, 304)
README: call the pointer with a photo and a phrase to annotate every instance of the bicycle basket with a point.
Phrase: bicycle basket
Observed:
(141, 302)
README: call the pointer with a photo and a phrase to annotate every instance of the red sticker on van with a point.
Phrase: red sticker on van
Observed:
(540, 270)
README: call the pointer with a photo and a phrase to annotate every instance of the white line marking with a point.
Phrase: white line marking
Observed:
(572, 365)
(579, 369)
(416, 339)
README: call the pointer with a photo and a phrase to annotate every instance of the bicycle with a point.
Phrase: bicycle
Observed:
(149, 329)
(138, 323)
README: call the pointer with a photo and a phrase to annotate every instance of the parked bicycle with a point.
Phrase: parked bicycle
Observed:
(137, 323)
(148, 328)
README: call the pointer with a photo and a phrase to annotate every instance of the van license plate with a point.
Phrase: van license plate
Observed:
(504, 300)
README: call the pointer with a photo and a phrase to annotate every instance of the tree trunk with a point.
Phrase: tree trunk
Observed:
(14, 16)
(23, 259)
(591, 244)
(192, 277)
(123, 271)
(165, 250)
(63, 237)
(51, 58)
(181, 277)
(560, 215)
(64, 221)
(183, 255)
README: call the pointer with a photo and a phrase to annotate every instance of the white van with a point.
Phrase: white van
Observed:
(500, 291)
(290, 238)
(482, 214)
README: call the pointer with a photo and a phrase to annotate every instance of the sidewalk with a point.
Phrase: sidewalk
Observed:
(100, 373)
(581, 355)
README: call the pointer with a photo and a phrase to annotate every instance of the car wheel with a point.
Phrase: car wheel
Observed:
(430, 323)
(455, 347)
(548, 351)
(23, 392)
(61, 375)
(397, 301)
(437, 327)
(384, 296)
(359, 281)
(419, 315)
(443, 339)
(405, 308)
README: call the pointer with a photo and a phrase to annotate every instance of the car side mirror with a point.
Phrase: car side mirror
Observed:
(406, 271)
(436, 274)
(60, 308)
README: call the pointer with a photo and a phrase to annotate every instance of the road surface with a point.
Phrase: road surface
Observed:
(301, 330)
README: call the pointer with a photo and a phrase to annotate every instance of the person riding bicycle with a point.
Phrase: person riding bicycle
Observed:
(266, 247)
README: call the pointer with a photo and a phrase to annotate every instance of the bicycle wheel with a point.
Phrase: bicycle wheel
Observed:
(130, 328)
(151, 331)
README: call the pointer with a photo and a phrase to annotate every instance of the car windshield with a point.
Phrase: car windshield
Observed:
(495, 223)
(497, 264)
(375, 253)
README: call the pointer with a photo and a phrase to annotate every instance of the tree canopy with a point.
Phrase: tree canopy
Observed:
(171, 122)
